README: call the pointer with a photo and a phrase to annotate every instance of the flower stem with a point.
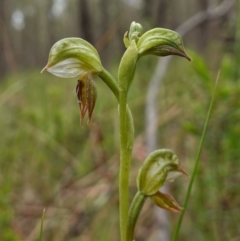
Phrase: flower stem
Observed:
(125, 77)
(133, 215)
(126, 143)
(110, 82)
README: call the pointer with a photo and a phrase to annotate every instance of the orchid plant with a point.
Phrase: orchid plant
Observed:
(75, 57)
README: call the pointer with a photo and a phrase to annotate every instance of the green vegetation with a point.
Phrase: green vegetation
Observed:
(49, 161)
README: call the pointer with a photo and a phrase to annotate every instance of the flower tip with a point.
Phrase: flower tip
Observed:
(176, 209)
(185, 55)
(45, 68)
(182, 53)
(180, 169)
(188, 57)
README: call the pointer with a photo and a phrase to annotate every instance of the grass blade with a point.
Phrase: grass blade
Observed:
(41, 228)
(175, 235)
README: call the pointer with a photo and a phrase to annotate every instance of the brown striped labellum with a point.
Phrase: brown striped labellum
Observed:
(165, 201)
(87, 94)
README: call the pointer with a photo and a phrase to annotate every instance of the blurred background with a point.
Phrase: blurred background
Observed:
(47, 160)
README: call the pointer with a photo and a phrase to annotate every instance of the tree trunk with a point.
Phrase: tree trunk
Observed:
(2, 57)
(147, 10)
(203, 28)
(7, 57)
(85, 21)
(160, 14)
(104, 15)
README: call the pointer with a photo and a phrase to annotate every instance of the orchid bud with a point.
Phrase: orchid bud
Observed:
(161, 42)
(87, 94)
(155, 170)
(71, 57)
(166, 201)
(135, 32)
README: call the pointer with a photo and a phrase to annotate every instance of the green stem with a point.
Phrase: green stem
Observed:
(126, 143)
(175, 236)
(125, 159)
(133, 215)
(125, 76)
(110, 82)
